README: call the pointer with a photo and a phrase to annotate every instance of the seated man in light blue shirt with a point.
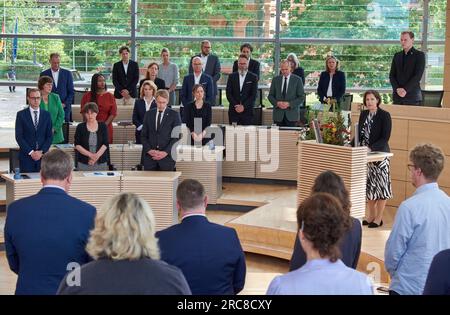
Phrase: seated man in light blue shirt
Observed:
(322, 222)
(422, 224)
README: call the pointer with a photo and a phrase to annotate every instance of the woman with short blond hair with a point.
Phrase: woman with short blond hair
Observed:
(126, 254)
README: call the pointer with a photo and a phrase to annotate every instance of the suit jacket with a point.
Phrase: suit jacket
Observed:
(253, 66)
(189, 82)
(139, 111)
(65, 88)
(407, 75)
(210, 255)
(245, 97)
(127, 81)
(30, 138)
(82, 138)
(43, 234)
(212, 68)
(337, 86)
(350, 247)
(162, 139)
(56, 111)
(380, 132)
(295, 96)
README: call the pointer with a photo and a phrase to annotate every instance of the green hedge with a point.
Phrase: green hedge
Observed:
(25, 70)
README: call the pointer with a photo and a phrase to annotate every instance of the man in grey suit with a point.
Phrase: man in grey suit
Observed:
(211, 66)
(286, 95)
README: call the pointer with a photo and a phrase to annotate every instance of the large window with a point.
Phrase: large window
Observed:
(363, 34)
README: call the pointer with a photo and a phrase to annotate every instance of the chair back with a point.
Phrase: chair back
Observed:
(346, 103)
(432, 98)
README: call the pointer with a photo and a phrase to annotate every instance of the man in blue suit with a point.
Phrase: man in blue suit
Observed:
(210, 66)
(46, 233)
(210, 255)
(197, 77)
(33, 133)
(62, 84)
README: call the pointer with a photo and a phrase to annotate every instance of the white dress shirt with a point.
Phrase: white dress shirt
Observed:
(32, 119)
(55, 75)
(330, 87)
(282, 83)
(204, 61)
(160, 118)
(242, 79)
(197, 79)
(125, 66)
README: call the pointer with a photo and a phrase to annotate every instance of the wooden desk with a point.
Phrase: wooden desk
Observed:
(157, 188)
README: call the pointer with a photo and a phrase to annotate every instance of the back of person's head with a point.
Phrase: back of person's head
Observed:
(330, 182)
(56, 165)
(429, 158)
(124, 230)
(321, 219)
(191, 196)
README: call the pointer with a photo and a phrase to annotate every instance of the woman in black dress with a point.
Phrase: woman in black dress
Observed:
(151, 74)
(197, 116)
(374, 131)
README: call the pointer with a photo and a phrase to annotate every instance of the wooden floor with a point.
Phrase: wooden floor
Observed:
(261, 269)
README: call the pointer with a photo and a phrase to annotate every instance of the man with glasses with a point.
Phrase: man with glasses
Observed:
(197, 77)
(33, 133)
(422, 224)
(210, 66)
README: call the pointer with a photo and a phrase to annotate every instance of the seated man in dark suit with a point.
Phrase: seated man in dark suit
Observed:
(62, 84)
(125, 77)
(157, 141)
(286, 95)
(210, 255)
(253, 65)
(46, 233)
(197, 77)
(241, 93)
(34, 133)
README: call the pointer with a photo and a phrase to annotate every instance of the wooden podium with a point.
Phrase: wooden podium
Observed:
(348, 162)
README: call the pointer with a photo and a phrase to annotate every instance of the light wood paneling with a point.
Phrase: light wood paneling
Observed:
(241, 151)
(398, 191)
(398, 165)
(399, 134)
(267, 116)
(426, 132)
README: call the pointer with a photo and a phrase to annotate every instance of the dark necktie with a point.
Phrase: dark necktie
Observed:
(158, 120)
(35, 119)
(284, 88)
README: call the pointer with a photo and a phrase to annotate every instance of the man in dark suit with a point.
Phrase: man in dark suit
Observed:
(33, 133)
(209, 255)
(160, 124)
(46, 234)
(197, 77)
(241, 93)
(253, 65)
(210, 66)
(286, 95)
(406, 72)
(125, 76)
(62, 84)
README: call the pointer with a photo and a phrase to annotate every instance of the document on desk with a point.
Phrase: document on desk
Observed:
(102, 174)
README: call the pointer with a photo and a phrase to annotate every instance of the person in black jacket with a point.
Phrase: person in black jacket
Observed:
(143, 105)
(198, 112)
(438, 279)
(253, 65)
(331, 82)
(125, 76)
(374, 130)
(158, 135)
(406, 72)
(151, 74)
(91, 141)
(350, 245)
(241, 90)
(296, 69)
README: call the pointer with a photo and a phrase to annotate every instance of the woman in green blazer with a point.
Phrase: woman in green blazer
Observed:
(52, 103)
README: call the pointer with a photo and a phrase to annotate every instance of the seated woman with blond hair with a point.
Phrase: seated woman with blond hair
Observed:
(126, 254)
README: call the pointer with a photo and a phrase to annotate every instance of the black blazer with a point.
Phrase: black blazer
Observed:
(125, 81)
(245, 97)
(350, 247)
(338, 85)
(253, 66)
(82, 138)
(380, 132)
(160, 84)
(190, 113)
(139, 111)
(407, 76)
(158, 140)
(300, 73)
